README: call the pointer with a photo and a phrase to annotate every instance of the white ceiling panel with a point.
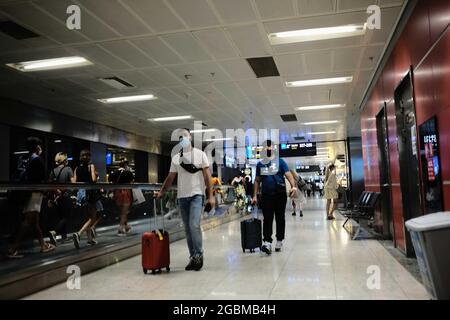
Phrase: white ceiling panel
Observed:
(168, 95)
(308, 7)
(195, 13)
(116, 15)
(235, 11)
(249, 41)
(155, 14)
(280, 100)
(157, 50)
(41, 22)
(318, 62)
(99, 56)
(354, 4)
(91, 27)
(290, 64)
(269, 9)
(371, 56)
(187, 46)
(211, 70)
(137, 79)
(181, 71)
(299, 97)
(251, 87)
(272, 85)
(238, 69)
(346, 58)
(162, 77)
(216, 42)
(260, 101)
(133, 56)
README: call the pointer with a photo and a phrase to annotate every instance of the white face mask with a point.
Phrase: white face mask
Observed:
(185, 142)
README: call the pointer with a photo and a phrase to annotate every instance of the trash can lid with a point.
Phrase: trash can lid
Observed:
(432, 221)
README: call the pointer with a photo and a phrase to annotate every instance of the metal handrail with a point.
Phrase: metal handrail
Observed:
(86, 186)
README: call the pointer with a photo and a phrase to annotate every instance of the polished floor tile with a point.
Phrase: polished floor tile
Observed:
(319, 261)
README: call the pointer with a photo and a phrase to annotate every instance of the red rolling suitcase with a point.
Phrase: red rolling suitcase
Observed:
(155, 249)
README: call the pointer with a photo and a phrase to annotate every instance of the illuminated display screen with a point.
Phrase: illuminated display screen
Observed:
(431, 174)
(303, 149)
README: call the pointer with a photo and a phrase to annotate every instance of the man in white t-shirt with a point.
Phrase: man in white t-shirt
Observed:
(191, 167)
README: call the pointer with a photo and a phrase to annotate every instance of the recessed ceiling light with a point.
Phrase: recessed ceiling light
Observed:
(57, 141)
(315, 34)
(320, 122)
(144, 97)
(171, 118)
(203, 130)
(322, 132)
(324, 106)
(319, 82)
(50, 64)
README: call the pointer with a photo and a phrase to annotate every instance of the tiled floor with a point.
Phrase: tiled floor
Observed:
(319, 261)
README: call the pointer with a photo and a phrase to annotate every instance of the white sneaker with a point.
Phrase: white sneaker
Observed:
(278, 246)
(266, 247)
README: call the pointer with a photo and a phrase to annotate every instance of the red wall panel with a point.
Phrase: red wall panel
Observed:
(439, 17)
(431, 95)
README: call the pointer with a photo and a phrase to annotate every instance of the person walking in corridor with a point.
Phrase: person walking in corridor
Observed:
(273, 196)
(191, 167)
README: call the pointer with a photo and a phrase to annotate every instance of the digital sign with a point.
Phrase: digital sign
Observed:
(108, 158)
(255, 152)
(303, 149)
(431, 173)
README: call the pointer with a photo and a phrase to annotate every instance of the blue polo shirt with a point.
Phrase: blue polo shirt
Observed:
(269, 181)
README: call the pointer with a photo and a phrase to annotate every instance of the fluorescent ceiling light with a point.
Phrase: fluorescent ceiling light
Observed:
(319, 82)
(319, 107)
(21, 152)
(50, 64)
(315, 34)
(323, 148)
(320, 122)
(143, 97)
(218, 139)
(171, 118)
(322, 132)
(203, 130)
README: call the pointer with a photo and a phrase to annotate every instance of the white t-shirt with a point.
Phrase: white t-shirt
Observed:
(190, 184)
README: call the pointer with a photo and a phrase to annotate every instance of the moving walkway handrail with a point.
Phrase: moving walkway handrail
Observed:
(86, 186)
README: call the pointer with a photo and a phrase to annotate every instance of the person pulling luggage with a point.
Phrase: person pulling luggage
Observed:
(191, 167)
(273, 196)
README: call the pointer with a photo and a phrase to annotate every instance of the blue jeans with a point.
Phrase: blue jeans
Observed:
(191, 211)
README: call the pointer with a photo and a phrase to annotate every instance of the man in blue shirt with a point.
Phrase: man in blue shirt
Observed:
(273, 196)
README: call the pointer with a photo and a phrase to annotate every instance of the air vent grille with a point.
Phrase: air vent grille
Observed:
(288, 117)
(16, 31)
(116, 82)
(264, 67)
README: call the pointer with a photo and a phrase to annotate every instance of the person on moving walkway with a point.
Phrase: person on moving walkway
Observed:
(123, 197)
(34, 173)
(330, 188)
(62, 173)
(89, 199)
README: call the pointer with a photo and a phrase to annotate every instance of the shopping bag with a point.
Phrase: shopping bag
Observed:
(138, 197)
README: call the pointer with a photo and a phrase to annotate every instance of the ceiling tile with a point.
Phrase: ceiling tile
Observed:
(318, 62)
(217, 44)
(346, 59)
(129, 53)
(238, 69)
(196, 13)
(41, 23)
(235, 11)
(157, 50)
(99, 56)
(186, 46)
(249, 41)
(354, 4)
(272, 85)
(290, 64)
(307, 7)
(280, 100)
(269, 9)
(91, 26)
(116, 15)
(156, 14)
(162, 77)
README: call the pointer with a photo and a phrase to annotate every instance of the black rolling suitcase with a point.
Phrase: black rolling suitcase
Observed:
(251, 235)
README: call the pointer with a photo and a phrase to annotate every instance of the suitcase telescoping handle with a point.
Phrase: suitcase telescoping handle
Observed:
(155, 218)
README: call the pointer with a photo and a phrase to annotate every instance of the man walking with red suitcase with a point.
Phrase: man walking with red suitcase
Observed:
(191, 167)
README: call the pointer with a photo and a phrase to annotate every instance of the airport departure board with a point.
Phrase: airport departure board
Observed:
(302, 149)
